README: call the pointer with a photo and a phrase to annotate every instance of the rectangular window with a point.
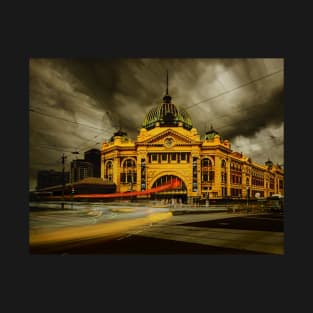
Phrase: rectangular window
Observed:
(173, 156)
(154, 157)
(211, 176)
(164, 156)
(183, 156)
(123, 178)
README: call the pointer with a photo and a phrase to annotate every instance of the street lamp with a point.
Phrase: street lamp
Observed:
(207, 199)
(247, 188)
(63, 178)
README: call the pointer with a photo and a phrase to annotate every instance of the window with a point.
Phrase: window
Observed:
(206, 169)
(173, 156)
(129, 172)
(183, 156)
(109, 170)
(164, 157)
(205, 177)
(154, 157)
(211, 176)
(206, 162)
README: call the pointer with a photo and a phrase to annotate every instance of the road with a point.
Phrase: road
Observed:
(206, 233)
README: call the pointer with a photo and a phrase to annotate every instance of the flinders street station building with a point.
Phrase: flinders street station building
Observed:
(168, 147)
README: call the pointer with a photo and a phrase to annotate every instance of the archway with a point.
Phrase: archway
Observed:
(178, 195)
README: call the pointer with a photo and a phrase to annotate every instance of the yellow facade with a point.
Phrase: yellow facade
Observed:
(168, 146)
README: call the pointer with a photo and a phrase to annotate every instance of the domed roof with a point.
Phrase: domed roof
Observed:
(167, 114)
(209, 135)
(119, 133)
(269, 163)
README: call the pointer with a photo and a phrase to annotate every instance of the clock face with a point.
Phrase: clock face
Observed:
(168, 142)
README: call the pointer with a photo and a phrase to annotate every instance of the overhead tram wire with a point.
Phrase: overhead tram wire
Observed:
(67, 149)
(55, 149)
(66, 120)
(243, 120)
(249, 109)
(89, 140)
(233, 89)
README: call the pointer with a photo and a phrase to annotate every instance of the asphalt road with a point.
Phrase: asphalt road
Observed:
(135, 244)
(266, 222)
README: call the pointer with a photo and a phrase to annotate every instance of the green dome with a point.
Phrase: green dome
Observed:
(167, 114)
(269, 163)
(209, 135)
(119, 133)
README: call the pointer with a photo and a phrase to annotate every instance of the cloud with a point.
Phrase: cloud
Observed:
(99, 96)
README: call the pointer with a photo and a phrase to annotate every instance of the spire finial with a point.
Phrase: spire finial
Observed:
(167, 98)
(166, 82)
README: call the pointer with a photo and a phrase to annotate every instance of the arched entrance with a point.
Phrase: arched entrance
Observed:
(178, 194)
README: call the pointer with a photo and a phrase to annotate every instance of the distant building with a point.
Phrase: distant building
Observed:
(48, 178)
(81, 169)
(94, 156)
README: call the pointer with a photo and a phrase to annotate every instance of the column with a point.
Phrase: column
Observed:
(228, 176)
(116, 173)
(218, 176)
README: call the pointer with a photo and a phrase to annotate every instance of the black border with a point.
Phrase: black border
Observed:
(223, 282)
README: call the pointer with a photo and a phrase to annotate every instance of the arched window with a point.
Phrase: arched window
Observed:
(206, 162)
(109, 170)
(129, 172)
(223, 171)
(207, 173)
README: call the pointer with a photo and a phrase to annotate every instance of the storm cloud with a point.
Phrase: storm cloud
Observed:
(75, 104)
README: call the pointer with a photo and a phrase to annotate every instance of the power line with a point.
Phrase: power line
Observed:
(249, 109)
(53, 145)
(246, 119)
(64, 149)
(89, 141)
(66, 120)
(55, 149)
(233, 89)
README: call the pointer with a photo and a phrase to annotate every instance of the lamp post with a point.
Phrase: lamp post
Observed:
(207, 199)
(63, 178)
(247, 188)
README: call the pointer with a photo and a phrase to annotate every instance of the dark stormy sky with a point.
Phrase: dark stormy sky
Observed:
(75, 104)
